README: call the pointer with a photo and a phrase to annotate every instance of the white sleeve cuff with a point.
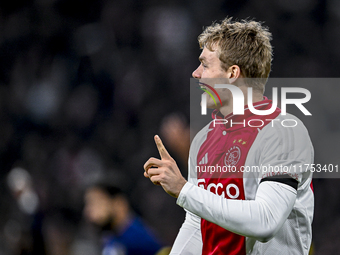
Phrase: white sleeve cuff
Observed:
(181, 198)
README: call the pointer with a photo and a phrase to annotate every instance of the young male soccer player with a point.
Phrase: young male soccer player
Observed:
(261, 212)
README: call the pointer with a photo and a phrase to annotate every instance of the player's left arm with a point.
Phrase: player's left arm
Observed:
(260, 218)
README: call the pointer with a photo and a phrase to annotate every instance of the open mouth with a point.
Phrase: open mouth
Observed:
(202, 85)
(205, 88)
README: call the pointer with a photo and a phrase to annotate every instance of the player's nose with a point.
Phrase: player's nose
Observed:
(197, 73)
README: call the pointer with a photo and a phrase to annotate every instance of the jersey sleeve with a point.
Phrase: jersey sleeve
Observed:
(286, 150)
(260, 218)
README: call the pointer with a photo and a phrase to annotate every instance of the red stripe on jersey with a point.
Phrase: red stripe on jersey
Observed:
(225, 146)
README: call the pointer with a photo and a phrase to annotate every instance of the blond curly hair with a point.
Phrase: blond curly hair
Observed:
(244, 43)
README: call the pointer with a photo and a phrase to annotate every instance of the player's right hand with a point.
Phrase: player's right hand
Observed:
(164, 171)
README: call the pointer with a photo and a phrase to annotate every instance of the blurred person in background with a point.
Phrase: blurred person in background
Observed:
(23, 232)
(124, 233)
(176, 133)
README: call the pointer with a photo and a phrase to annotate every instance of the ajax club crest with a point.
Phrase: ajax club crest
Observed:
(233, 156)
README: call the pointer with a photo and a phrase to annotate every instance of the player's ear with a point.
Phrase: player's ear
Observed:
(233, 73)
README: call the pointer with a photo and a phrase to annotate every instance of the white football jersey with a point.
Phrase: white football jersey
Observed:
(235, 216)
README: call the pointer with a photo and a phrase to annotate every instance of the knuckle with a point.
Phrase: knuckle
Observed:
(168, 163)
(152, 159)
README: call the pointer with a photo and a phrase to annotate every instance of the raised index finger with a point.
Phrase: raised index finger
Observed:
(161, 149)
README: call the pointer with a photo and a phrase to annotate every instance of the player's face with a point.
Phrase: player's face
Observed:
(210, 72)
(97, 206)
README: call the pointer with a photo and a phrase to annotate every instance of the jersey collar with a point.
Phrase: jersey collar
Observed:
(243, 120)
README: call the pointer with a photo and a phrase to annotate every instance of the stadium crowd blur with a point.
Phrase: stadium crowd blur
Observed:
(85, 85)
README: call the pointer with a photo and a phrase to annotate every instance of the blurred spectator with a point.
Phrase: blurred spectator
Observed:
(124, 233)
(23, 230)
(176, 134)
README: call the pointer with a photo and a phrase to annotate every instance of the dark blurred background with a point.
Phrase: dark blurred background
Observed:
(85, 85)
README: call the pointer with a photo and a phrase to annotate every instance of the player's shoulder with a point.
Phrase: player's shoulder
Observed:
(199, 139)
(202, 134)
(284, 126)
(286, 136)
